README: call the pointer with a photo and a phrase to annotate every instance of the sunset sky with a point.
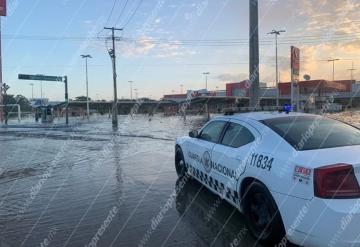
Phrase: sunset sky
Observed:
(205, 36)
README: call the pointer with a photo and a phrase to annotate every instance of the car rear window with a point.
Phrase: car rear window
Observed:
(237, 136)
(314, 132)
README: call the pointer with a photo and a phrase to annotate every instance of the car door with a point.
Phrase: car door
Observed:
(199, 149)
(231, 155)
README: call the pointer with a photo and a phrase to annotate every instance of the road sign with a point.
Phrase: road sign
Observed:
(40, 77)
(50, 78)
(2, 7)
(6, 87)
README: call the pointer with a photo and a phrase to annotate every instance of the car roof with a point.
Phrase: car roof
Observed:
(258, 116)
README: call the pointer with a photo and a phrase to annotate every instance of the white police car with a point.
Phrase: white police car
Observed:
(294, 176)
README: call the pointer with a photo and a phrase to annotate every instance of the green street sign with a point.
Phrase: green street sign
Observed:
(40, 77)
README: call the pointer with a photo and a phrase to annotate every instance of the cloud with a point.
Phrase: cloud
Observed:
(167, 50)
(88, 22)
(331, 29)
(140, 47)
(326, 17)
(283, 62)
(147, 46)
(231, 77)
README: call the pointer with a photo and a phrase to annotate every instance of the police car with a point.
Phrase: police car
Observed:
(294, 176)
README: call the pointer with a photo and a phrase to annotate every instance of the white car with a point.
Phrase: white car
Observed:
(294, 176)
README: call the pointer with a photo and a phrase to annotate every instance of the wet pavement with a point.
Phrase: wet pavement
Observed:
(87, 185)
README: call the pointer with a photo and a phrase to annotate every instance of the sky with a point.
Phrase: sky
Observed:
(168, 43)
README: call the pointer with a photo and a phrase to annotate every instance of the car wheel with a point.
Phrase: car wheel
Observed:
(180, 163)
(262, 215)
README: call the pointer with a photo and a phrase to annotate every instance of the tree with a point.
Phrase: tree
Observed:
(24, 103)
(82, 98)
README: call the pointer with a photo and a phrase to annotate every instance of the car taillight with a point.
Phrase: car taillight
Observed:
(336, 182)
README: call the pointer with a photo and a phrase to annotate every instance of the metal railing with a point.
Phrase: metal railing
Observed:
(19, 110)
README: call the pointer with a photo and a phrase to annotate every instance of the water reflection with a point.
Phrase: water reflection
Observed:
(213, 220)
(131, 168)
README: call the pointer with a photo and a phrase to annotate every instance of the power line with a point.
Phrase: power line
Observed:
(121, 12)
(191, 42)
(262, 61)
(108, 18)
(111, 12)
(176, 42)
(287, 38)
(133, 14)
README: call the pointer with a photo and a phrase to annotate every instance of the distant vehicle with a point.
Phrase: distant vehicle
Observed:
(294, 176)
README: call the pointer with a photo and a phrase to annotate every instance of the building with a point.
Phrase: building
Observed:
(314, 95)
(192, 94)
(317, 87)
(240, 89)
(175, 97)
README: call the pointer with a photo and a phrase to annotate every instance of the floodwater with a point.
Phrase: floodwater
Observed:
(88, 185)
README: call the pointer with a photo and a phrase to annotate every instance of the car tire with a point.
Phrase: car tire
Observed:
(180, 166)
(262, 215)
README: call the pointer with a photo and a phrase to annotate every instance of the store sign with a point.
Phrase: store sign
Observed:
(295, 72)
(295, 60)
(2, 7)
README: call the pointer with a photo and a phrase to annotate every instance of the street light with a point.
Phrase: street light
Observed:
(333, 61)
(136, 93)
(131, 85)
(32, 90)
(276, 33)
(87, 85)
(206, 79)
(352, 69)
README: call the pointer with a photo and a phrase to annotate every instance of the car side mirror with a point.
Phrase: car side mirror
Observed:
(194, 134)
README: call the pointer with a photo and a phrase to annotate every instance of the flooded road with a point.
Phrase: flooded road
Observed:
(87, 185)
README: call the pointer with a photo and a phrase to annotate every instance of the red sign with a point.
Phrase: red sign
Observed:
(2, 7)
(295, 60)
(303, 170)
(302, 175)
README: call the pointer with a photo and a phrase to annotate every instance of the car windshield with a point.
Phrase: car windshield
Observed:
(314, 132)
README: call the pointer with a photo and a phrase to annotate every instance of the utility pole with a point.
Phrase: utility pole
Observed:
(254, 53)
(131, 89)
(352, 69)
(66, 100)
(1, 76)
(87, 85)
(4, 89)
(32, 90)
(41, 93)
(112, 53)
(276, 33)
(206, 79)
(333, 61)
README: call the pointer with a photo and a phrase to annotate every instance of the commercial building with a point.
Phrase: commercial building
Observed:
(240, 89)
(317, 87)
(175, 97)
(314, 95)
